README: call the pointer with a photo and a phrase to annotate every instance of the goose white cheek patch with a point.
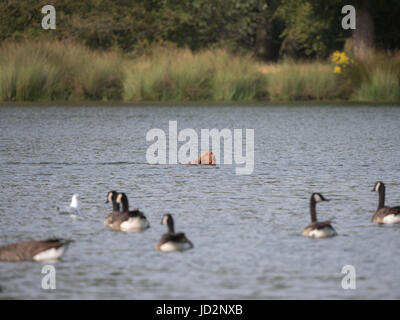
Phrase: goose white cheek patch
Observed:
(165, 220)
(317, 198)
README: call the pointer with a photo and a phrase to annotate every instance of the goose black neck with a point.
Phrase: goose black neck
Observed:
(125, 204)
(313, 212)
(116, 206)
(170, 224)
(381, 203)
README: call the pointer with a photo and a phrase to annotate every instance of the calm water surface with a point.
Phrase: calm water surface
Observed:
(246, 229)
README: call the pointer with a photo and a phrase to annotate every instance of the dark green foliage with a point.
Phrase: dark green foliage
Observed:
(265, 28)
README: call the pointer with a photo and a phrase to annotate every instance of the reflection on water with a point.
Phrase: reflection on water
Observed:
(245, 229)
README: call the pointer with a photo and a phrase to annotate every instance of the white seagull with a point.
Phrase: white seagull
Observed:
(73, 208)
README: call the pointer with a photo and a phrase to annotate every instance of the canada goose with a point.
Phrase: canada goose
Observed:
(129, 220)
(318, 229)
(172, 241)
(384, 214)
(41, 251)
(112, 197)
(73, 208)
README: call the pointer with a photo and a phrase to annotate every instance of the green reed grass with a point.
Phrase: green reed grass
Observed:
(302, 81)
(40, 71)
(381, 86)
(181, 75)
(45, 71)
(376, 77)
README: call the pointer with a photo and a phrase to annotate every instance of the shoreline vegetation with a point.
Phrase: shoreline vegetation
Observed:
(42, 71)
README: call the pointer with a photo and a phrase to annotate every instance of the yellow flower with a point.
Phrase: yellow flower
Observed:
(340, 58)
(344, 59)
(336, 57)
(337, 69)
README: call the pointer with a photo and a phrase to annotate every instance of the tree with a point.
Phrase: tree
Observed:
(313, 27)
(266, 28)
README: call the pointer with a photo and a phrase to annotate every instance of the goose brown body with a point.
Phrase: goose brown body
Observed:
(127, 220)
(172, 241)
(112, 197)
(384, 214)
(318, 229)
(32, 250)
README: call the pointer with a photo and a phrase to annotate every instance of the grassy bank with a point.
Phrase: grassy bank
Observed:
(180, 75)
(58, 71)
(63, 71)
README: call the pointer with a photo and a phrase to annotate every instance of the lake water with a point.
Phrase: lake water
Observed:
(246, 229)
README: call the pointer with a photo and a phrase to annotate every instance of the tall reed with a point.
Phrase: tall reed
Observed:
(376, 77)
(382, 86)
(181, 75)
(38, 71)
(301, 81)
